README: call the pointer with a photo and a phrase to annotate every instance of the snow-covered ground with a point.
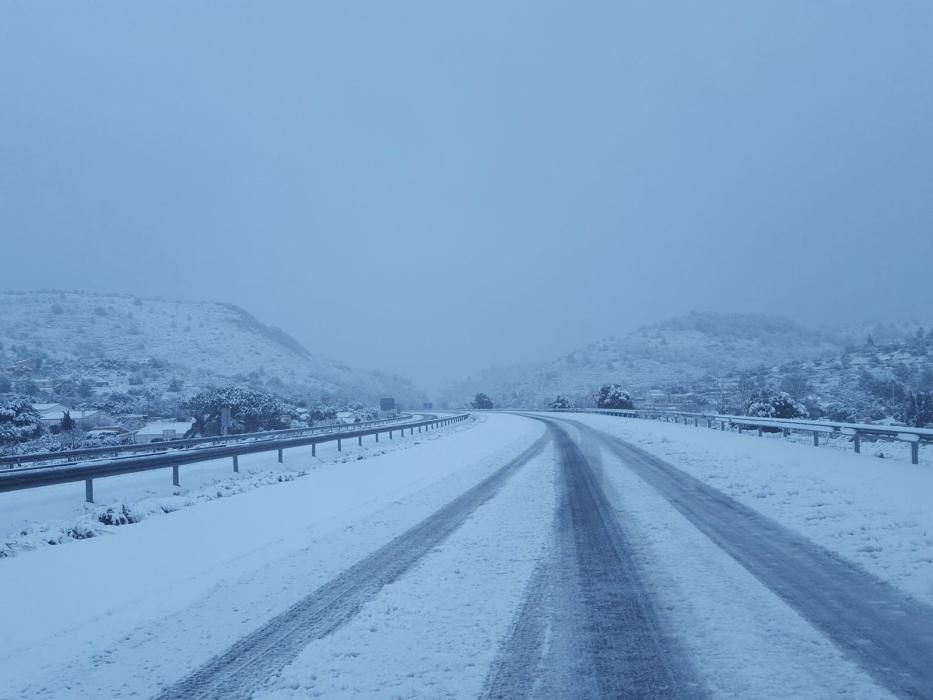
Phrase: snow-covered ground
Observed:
(435, 632)
(130, 613)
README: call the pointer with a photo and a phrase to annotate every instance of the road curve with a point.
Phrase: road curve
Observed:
(245, 666)
(886, 632)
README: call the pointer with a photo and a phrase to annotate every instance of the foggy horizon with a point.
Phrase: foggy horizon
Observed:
(430, 191)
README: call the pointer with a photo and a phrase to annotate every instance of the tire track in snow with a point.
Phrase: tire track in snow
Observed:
(886, 632)
(249, 663)
(589, 627)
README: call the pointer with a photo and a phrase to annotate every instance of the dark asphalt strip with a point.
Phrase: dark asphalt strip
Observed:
(248, 664)
(886, 632)
(588, 627)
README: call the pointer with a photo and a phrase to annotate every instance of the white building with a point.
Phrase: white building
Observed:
(52, 414)
(50, 409)
(161, 431)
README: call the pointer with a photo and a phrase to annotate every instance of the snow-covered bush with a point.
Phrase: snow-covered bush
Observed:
(780, 404)
(73, 440)
(361, 415)
(250, 411)
(613, 396)
(321, 414)
(562, 403)
(19, 421)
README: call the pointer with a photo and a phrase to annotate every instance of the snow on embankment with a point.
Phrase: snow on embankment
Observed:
(104, 520)
(873, 512)
(184, 587)
(57, 515)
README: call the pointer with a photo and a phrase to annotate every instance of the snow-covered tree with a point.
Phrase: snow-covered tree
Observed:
(918, 410)
(562, 403)
(250, 411)
(19, 421)
(482, 401)
(67, 423)
(613, 396)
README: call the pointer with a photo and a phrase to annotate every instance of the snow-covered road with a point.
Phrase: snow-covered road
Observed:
(580, 556)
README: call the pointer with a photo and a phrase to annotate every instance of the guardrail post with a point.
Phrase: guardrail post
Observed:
(359, 440)
(816, 438)
(314, 449)
(759, 431)
(390, 434)
(89, 490)
(696, 422)
(709, 423)
(175, 480)
(236, 463)
(915, 453)
(857, 442)
(280, 456)
(339, 446)
(377, 436)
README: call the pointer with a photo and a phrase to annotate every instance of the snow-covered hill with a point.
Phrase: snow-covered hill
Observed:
(701, 355)
(681, 350)
(123, 342)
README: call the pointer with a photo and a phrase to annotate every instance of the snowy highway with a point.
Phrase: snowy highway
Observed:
(511, 556)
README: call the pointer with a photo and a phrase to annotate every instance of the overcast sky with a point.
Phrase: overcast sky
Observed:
(430, 188)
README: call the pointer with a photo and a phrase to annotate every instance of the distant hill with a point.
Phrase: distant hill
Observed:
(126, 344)
(701, 359)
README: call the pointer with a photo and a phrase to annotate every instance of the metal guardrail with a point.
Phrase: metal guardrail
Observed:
(856, 431)
(184, 443)
(37, 477)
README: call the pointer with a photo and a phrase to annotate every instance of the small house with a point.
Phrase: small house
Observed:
(161, 431)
